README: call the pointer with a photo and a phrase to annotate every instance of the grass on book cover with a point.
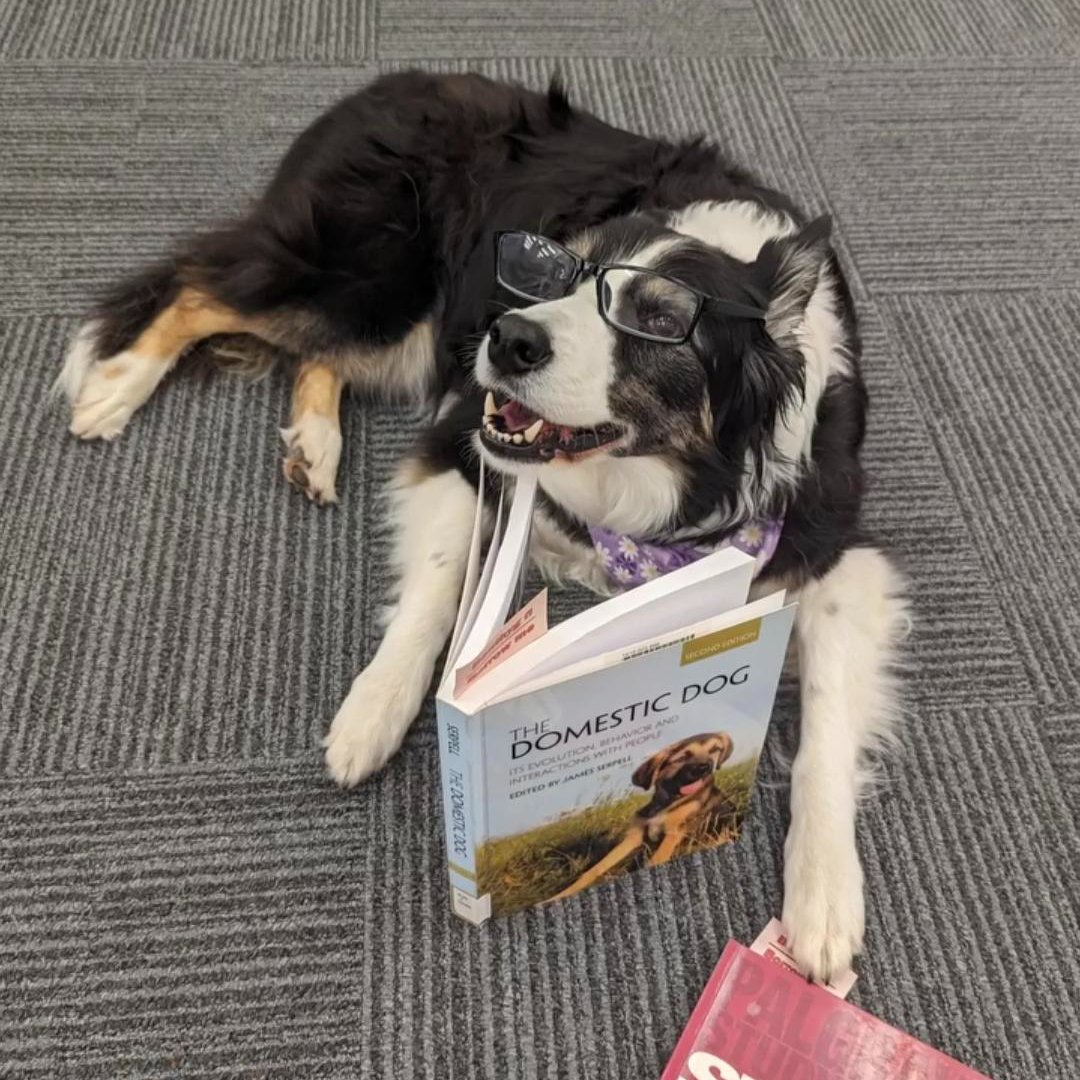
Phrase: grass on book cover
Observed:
(680, 812)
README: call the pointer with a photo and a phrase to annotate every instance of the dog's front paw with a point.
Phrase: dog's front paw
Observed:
(368, 728)
(823, 901)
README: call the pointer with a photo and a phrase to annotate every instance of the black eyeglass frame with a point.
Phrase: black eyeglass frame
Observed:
(583, 268)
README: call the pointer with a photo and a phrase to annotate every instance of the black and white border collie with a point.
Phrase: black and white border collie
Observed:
(714, 384)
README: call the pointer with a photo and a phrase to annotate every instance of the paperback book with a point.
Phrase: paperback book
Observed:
(621, 737)
(759, 1020)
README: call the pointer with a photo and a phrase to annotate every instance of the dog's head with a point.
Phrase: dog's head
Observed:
(660, 369)
(682, 769)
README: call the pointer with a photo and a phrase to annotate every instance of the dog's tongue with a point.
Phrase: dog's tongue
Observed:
(694, 788)
(516, 417)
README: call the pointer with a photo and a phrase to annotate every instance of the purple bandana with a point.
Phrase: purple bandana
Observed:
(633, 562)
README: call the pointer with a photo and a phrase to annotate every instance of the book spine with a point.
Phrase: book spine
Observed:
(462, 783)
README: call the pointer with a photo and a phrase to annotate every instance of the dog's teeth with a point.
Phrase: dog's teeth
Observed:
(533, 430)
(490, 408)
(518, 438)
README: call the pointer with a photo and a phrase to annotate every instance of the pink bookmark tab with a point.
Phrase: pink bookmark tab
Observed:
(527, 625)
(773, 944)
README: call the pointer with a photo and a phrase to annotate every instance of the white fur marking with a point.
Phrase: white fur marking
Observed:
(632, 495)
(561, 559)
(81, 354)
(847, 627)
(821, 340)
(572, 388)
(316, 440)
(402, 371)
(432, 522)
(449, 402)
(739, 227)
(111, 391)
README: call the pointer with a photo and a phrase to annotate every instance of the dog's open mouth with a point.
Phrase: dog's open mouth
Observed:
(516, 431)
(695, 787)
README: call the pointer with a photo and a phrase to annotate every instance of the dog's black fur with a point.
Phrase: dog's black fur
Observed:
(382, 213)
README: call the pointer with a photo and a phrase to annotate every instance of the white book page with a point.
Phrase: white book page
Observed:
(714, 584)
(766, 605)
(454, 654)
(472, 575)
(505, 575)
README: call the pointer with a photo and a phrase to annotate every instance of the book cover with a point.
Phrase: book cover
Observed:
(757, 1020)
(620, 738)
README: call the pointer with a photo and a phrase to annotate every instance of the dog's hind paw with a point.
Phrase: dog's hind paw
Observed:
(110, 392)
(311, 461)
(823, 902)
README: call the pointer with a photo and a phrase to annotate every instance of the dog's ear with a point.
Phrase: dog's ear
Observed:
(646, 772)
(722, 746)
(745, 404)
(789, 269)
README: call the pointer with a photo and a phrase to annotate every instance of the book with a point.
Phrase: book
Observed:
(759, 1020)
(621, 737)
(773, 943)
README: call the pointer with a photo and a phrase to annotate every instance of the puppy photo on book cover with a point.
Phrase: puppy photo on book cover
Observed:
(692, 799)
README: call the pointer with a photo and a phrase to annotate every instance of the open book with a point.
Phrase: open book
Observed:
(622, 736)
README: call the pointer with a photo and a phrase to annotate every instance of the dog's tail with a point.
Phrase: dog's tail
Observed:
(118, 318)
(129, 307)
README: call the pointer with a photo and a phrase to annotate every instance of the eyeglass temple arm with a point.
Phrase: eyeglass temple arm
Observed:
(733, 307)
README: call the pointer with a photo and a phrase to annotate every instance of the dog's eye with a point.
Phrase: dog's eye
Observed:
(662, 324)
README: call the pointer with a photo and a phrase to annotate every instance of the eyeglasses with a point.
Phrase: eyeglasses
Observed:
(636, 301)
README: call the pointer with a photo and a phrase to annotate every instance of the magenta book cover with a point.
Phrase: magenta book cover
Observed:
(757, 1020)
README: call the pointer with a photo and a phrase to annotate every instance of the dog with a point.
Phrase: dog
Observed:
(684, 795)
(666, 343)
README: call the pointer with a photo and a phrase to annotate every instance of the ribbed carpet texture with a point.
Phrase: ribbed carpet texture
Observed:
(182, 892)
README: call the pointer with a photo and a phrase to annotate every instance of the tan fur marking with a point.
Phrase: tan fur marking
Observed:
(317, 389)
(314, 438)
(192, 316)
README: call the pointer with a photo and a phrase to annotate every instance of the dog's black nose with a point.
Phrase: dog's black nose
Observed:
(517, 345)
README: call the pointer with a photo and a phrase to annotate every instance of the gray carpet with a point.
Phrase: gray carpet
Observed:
(181, 891)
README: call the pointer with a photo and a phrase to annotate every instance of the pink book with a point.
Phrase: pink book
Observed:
(757, 1020)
